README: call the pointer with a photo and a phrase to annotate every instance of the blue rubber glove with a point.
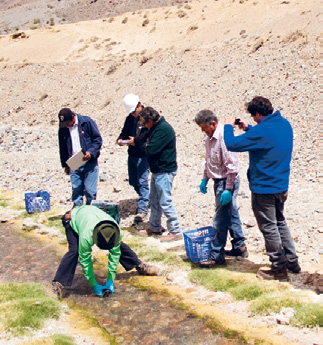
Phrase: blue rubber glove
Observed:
(225, 197)
(98, 290)
(109, 286)
(203, 184)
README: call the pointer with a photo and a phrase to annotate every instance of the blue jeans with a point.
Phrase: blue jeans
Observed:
(138, 171)
(84, 183)
(225, 218)
(269, 212)
(161, 202)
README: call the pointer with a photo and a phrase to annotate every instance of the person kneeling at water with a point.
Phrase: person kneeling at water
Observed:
(86, 226)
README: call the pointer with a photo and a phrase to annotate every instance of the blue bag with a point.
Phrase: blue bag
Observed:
(37, 202)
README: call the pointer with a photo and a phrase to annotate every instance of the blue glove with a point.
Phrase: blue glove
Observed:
(109, 286)
(225, 197)
(203, 184)
(98, 290)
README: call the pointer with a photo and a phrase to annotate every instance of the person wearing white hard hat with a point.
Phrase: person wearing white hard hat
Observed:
(132, 135)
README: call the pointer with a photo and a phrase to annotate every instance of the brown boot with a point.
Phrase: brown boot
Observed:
(147, 270)
(280, 275)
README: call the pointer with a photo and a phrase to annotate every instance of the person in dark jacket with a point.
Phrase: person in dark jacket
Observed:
(160, 149)
(270, 145)
(80, 133)
(138, 169)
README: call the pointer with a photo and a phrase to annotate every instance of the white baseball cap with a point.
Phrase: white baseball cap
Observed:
(130, 102)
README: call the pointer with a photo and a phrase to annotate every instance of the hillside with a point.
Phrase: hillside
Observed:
(179, 59)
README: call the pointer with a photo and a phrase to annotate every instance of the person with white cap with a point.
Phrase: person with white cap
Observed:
(132, 135)
(85, 226)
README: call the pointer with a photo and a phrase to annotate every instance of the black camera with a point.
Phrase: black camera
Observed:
(237, 121)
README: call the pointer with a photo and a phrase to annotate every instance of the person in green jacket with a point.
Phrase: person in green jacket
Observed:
(85, 226)
(159, 146)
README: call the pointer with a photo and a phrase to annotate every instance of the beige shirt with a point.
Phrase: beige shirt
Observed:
(219, 162)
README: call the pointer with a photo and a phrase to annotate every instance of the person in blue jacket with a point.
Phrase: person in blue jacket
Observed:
(80, 133)
(270, 146)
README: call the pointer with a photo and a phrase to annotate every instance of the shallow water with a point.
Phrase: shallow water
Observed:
(132, 316)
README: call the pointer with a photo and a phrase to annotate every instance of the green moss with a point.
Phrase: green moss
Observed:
(25, 306)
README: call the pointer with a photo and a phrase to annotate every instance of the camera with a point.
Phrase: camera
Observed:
(237, 121)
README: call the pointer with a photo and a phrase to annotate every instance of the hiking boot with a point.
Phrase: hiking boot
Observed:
(241, 252)
(280, 275)
(213, 263)
(171, 237)
(140, 216)
(57, 289)
(147, 270)
(293, 267)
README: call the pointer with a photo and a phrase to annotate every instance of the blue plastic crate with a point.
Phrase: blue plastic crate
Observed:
(198, 243)
(37, 202)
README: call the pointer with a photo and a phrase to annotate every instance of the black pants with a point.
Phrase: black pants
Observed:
(66, 270)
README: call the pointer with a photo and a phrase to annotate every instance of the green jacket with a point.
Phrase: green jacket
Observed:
(83, 221)
(161, 147)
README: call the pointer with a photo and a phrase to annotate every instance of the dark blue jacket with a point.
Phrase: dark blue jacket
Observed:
(90, 139)
(270, 146)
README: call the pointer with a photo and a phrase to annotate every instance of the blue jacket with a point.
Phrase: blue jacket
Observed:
(270, 146)
(90, 139)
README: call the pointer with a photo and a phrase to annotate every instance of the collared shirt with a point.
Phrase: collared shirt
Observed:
(75, 137)
(219, 162)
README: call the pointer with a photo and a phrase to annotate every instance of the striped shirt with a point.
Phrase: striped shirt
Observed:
(219, 162)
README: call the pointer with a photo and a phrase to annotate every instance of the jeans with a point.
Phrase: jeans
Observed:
(225, 218)
(161, 202)
(66, 270)
(84, 183)
(268, 210)
(138, 171)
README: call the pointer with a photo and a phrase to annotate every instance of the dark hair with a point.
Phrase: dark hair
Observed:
(65, 114)
(205, 117)
(259, 105)
(149, 113)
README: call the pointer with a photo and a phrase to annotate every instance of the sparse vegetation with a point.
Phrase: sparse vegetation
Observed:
(192, 28)
(111, 19)
(57, 339)
(125, 20)
(33, 28)
(25, 306)
(51, 21)
(145, 22)
(181, 14)
(36, 21)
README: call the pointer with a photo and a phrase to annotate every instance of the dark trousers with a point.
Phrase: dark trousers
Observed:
(269, 212)
(66, 270)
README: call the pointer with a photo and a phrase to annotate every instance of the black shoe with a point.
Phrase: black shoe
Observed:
(293, 267)
(57, 289)
(213, 263)
(241, 252)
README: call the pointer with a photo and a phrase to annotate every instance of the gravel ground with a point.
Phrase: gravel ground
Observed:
(177, 79)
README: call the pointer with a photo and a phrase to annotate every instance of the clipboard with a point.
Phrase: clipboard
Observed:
(76, 161)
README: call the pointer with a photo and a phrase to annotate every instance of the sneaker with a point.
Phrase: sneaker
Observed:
(140, 216)
(150, 232)
(280, 275)
(241, 252)
(171, 237)
(213, 263)
(293, 267)
(57, 289)
(147, 270)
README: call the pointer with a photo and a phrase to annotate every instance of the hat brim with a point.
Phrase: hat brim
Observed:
(63, 124)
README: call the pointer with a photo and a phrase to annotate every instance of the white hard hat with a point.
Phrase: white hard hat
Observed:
(130, 102)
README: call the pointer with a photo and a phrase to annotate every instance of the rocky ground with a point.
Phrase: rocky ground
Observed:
(198, 55)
